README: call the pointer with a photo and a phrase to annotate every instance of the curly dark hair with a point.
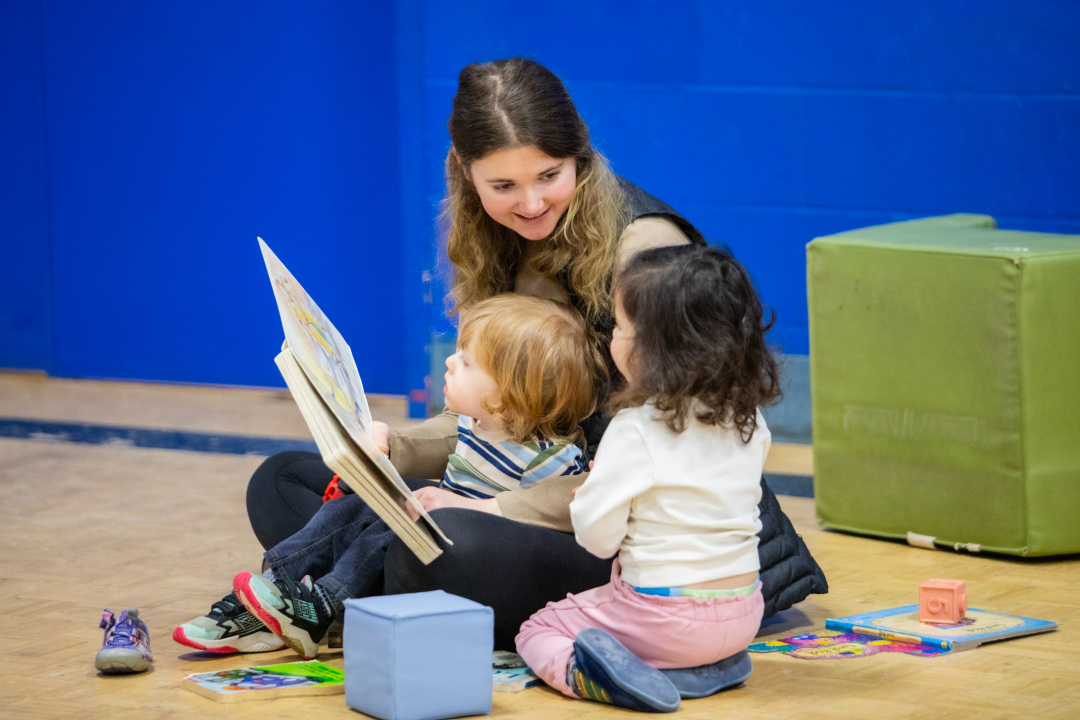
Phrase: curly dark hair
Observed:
(699, 342)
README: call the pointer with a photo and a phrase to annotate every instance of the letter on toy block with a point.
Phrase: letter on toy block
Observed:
(942, 601)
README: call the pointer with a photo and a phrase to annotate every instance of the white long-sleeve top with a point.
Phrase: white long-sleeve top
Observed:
(679, 508)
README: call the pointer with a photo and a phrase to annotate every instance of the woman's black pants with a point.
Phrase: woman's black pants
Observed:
(511, 567)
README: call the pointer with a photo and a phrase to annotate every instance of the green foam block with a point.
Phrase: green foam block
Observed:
(945, 383)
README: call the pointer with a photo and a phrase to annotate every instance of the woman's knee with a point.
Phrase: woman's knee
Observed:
(472, 543)
(284, 493)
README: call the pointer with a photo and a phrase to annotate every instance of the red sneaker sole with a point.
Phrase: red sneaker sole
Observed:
(179, 636)
(242, 588)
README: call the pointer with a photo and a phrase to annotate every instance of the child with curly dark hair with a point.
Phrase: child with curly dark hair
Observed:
(674, 492)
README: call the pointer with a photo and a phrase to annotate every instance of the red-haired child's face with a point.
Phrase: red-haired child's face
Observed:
(469, 387)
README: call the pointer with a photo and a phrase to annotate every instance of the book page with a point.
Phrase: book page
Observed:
(323, 354)
(382, 493)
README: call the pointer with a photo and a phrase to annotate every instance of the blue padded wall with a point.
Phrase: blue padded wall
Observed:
(176, 133)
(769, 124)
(153, 141)
(25, 274)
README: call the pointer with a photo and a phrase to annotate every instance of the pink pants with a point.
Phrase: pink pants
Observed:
(666, 632)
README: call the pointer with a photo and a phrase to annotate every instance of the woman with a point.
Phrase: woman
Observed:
(531, 207)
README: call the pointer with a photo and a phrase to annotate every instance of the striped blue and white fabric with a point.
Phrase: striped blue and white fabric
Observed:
(485, 462)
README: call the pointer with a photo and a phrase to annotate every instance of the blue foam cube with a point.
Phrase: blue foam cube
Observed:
(418, 656)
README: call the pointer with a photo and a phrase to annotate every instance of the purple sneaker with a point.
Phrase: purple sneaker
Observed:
(126, 648)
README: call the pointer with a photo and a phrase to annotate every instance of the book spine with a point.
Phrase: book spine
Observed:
(887, 635)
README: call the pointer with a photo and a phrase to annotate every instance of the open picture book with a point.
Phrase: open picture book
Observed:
(903, 624)
(319, 370)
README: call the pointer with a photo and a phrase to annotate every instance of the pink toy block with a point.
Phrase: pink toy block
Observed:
(942, 601)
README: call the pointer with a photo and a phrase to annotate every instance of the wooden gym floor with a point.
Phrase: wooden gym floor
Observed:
(109, 523)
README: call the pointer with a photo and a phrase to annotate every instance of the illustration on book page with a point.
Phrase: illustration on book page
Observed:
(319, 348)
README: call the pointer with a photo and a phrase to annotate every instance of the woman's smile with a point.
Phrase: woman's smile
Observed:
(534, 220)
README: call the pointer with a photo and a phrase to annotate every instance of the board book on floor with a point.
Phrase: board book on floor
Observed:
(513, 679)
(268, 681)
(902, 623)
(510, 673)
(840, 645)
(319, 370)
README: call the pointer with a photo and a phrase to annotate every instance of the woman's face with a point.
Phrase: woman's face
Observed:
(524, 189)
(622, 341)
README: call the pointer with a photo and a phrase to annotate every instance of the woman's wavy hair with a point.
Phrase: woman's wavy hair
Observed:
(513, 103)
(699, 341)
(542, 357)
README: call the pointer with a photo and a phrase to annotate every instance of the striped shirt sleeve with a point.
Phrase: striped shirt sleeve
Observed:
(554, 461)
(482, 466)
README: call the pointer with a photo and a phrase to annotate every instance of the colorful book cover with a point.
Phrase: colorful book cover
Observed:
(510, 673)
(268, 681)
(902, 623)
(837, 645)
(513, 679)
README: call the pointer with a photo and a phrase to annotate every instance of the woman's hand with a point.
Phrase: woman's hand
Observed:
(380, 433)
(433, 498)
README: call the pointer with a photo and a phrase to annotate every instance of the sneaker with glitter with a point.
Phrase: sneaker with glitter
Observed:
(289, 608)
(126, 648)
(228, 628)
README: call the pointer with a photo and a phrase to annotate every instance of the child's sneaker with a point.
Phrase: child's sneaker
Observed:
(126, 648)
(228, 628)
(289, 608)
(602, 670)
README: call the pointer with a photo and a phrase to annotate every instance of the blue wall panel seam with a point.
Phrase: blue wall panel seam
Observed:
(50, 248)
(409, 59)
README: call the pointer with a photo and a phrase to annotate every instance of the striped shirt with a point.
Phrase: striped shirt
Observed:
(485, 462)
